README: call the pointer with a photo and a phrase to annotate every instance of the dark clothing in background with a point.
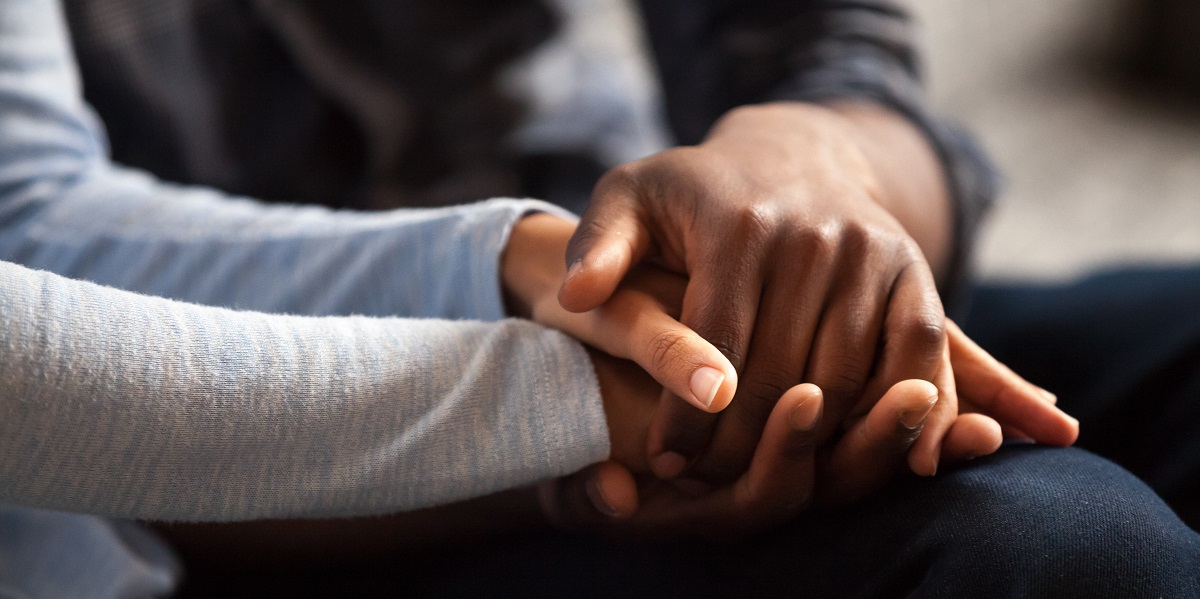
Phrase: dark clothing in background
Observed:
(376, 104)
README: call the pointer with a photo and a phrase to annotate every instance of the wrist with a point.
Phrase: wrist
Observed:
(532, 265)
(629, 396)
(802, 133)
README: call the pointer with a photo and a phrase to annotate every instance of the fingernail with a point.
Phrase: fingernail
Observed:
(668, 465)
(576, 268)
(911, 419)
(597, 498)
(706, 381)
(804, 414)
(1048, 396)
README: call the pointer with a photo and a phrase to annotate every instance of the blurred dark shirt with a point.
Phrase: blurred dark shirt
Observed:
(375, 104)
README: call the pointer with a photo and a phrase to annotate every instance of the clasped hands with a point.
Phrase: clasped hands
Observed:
(767, 333)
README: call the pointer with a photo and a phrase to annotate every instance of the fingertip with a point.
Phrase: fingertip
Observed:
(995, 437)
(923, 463)
(583, 290)
(725, 389)
(972, 436)
(918, 388)
(703, 387)
(1047, 396)
(1070, 432)
(613, 491)
(804, 403)
(668, 465)
(593, 276)
(1061, 430)
(802, 392)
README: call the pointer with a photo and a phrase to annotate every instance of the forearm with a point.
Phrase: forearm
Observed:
(127, 230)
(131, 406)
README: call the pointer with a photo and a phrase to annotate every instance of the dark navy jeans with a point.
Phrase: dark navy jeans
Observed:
(1122, 350)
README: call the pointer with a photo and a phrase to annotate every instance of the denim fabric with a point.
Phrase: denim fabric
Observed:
(1122, 351)
(1027, 522)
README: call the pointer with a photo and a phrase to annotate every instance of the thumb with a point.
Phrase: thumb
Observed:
(599, 494)
(635, 326)
(609, 240)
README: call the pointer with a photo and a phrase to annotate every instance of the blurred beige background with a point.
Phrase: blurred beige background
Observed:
(1101, 168)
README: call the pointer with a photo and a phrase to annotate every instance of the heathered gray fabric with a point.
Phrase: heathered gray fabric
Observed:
(122, 404)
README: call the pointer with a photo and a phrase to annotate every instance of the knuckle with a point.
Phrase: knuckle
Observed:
(927, 332)
(858, 236)
(818, 242)
(725, 337)
(683, 169)
(728, 345)
(586, 235)
(618, 178)
(910, 250)
(757, 222)
(668, 350)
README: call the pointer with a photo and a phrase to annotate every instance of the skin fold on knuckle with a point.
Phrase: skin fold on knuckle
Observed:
(585, 237)
(756, 224)
(621, 179)
(816, 243)
(671, 353)
(925, 332)
(726, 337)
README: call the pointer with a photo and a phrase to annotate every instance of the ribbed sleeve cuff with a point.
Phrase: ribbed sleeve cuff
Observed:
(566, 407)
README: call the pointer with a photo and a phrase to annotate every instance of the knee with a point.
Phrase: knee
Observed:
(1039, 521)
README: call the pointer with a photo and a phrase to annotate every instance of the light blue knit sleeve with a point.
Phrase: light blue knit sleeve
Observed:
(126, 405)
(123, 404)
(64, 207)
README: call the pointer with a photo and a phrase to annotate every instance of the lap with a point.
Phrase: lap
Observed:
(1122, 351)
(1029, 521)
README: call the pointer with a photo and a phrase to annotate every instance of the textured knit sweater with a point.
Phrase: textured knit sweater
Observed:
(169, 352)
